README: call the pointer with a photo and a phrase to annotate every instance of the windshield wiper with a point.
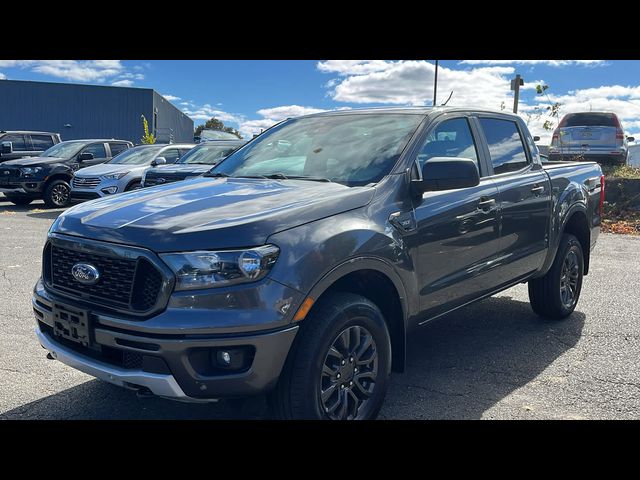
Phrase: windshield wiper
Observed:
(216, 175)
(310, 178)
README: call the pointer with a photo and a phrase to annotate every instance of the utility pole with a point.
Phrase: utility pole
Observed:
(516, 83)
(435, 85)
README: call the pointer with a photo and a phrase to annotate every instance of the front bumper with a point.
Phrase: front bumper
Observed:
(100, 190)
(30, 188)
(171, 364)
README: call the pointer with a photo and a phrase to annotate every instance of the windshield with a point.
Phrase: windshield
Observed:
(216, 135)
(590, 120)
(63, 150)
(135, 156)
(207, 154)
(351, 149)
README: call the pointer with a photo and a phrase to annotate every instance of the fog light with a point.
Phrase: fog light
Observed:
(110, 190)
(232, 359)
(224, 358)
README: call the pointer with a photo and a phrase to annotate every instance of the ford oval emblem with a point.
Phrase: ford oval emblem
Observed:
(85, 273)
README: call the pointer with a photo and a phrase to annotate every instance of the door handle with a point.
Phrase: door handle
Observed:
(537, 189)
(486, 203)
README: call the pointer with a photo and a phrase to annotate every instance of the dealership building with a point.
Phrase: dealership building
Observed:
(78, 111)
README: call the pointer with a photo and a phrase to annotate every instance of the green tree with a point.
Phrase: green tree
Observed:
(147, 138)
(215, 124)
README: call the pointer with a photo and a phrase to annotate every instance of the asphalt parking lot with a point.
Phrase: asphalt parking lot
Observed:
(492, 360)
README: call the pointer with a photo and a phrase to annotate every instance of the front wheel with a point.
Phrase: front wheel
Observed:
(57, 194)
(339, 366)
(556, 294)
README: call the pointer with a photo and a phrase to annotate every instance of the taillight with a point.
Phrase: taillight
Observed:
(602, 182)
(554, 137)
(619, 134)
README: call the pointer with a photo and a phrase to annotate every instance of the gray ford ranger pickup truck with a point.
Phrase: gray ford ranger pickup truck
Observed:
(298, 266)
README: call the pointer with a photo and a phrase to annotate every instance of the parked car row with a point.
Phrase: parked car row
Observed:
(89, 169)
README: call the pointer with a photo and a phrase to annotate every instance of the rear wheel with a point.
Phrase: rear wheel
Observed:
(556, 294)
(19, 200)
(57, 194)
(339, 366)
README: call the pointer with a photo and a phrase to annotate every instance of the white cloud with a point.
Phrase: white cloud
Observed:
(2, 76)
(77, 70)
(122, 83)
(551, 63)
(411, 83)
(171, 98)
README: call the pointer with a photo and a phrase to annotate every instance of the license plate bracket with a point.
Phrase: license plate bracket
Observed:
(72, 324)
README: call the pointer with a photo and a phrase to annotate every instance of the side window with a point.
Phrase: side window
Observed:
(451, 138)
(116, 148)
(171, 155)
(41, 142)
(505, 145)
(97, 149)
(183, 151)
(18, 141)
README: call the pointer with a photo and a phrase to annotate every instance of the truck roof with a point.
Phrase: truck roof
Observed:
(29, 131)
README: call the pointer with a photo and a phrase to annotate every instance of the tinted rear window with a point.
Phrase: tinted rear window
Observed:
(590, 120)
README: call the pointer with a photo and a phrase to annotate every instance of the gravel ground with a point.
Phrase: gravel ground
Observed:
(492, 360)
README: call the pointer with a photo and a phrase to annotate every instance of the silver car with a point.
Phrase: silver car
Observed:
(123, 172)
(596, 136)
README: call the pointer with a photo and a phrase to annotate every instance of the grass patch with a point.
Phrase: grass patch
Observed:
(620, 171)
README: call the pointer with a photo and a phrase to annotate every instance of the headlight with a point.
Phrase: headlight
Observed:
(29, 170)
(219, 269)
(114, 176)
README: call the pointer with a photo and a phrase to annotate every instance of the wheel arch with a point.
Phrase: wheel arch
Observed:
(375, 280)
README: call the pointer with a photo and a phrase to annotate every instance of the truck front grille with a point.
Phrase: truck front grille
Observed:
(130, 284)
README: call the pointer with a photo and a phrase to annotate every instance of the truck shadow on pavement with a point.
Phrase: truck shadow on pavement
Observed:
(457, 368)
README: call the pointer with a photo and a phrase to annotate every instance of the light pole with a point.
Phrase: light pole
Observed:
(435, 85)
(516, 83)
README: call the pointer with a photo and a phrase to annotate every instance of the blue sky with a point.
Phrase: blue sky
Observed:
(252, 95)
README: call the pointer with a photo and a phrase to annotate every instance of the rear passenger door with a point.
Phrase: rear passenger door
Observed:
(458, 238)
(117, 147)
(171, 155)
(524, 195)
(40, 143)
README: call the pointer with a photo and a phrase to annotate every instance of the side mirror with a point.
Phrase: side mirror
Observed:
(536, 138)
(85, 156)
(159, 161)
(631, 139)
(7, 147)
(448, 173)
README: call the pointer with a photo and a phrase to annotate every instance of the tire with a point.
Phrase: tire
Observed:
(55, 196)
(306, 373)
(546, 293)
(133, 186)
(22, 201)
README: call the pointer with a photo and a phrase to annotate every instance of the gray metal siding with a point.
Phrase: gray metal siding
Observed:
(172, 123)
(92, 111)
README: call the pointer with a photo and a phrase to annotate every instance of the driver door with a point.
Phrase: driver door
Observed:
(99, 155)
(458, 237)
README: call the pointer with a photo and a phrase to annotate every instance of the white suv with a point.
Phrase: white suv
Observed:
(123, 172)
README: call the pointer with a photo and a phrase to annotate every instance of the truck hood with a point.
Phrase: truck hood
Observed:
(106, 168)
(208, 213)
(185, 168)
(34, 161)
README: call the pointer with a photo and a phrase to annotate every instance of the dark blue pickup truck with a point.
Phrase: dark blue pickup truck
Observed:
(298, 265)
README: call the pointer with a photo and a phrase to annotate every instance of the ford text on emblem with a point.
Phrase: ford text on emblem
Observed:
(85, 273)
